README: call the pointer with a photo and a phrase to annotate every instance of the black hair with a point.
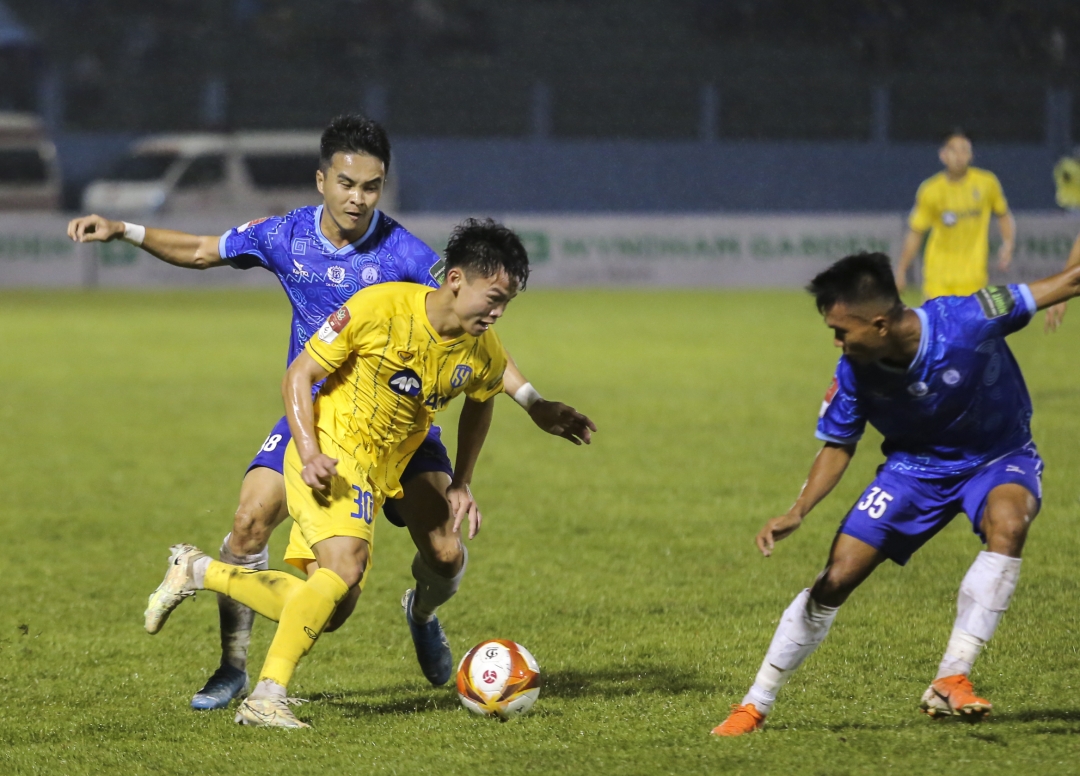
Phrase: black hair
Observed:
(352, 133)
(954, 132)
(857, 279)
(485, 247)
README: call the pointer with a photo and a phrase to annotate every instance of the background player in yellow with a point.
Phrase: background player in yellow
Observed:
(392, 356)
(955, 207)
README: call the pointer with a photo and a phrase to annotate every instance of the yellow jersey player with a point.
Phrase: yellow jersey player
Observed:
(955, 207)
(392, 356)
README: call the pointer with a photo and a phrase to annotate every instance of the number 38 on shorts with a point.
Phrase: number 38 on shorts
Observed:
(875, 502)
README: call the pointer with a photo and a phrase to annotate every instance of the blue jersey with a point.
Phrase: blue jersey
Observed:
(960, 404)
(320, 278)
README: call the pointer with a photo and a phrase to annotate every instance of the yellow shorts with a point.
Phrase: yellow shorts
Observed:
(348, 510)
(932, 289)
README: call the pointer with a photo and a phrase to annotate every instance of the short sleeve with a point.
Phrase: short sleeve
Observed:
(334, 342)
(424, 265)
(249, 245)
(1003, 309)
(998, 205)
(923, 214)
(841, 419)
(488, 381)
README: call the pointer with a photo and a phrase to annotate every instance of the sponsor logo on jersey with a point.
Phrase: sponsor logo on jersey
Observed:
(949, 218)
(370, 274)
(406, 355)
(335, 274)
(829, 396)
(337, 321)
(950, 377)
(461, 375)
(996, 301)
(406, 383)
(299, 271)
(249, 224)
(438, 271)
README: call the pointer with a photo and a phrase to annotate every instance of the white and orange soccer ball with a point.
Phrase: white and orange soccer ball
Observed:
(498, 678)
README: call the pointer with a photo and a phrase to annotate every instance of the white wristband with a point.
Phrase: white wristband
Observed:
(526, 396)
(134, 233)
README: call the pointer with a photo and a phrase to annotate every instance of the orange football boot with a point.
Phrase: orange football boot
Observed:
(742, 720)
(954, 695)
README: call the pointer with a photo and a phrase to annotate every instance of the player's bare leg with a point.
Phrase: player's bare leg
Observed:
(802, 628)
(262, 508)
(438, 568)
(984, 596)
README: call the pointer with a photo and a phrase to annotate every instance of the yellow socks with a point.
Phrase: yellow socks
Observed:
(302, 620)
(264, 591)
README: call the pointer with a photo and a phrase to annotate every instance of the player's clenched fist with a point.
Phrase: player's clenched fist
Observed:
(775, 530)
(94, 228)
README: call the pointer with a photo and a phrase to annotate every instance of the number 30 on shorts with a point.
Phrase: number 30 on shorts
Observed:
(875, 503)
(365, 505)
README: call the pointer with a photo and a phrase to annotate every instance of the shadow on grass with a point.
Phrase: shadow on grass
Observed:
(568, 685)
(1036, 715)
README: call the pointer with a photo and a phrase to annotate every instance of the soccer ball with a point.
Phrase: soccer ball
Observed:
(498, 678)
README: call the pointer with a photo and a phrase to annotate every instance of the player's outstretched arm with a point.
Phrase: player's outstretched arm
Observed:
(473, 425)
(300, 378)
(179, 248)
(829, 466)
(1056, 313)
(553, 417)
(912, 243)
(1056, 288)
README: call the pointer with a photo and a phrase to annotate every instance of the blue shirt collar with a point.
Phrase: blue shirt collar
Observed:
(924, 340)
(352, 246)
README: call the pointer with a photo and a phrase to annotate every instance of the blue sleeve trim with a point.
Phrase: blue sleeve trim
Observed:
(1028, 297)
(221, 249)
(837, 440)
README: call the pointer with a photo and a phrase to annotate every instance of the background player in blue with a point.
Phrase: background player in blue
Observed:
(322, 256)
(941, 385)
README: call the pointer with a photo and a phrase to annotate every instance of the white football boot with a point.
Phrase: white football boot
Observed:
(177, 585)
(268, 712)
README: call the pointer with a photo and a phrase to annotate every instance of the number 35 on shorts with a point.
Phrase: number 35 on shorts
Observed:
(875, 503)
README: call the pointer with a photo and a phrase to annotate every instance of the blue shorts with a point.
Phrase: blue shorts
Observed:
(431, 456)
(897, 514)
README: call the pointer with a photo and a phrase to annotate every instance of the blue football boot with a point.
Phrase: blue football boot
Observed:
(432, 648)
(228, 682)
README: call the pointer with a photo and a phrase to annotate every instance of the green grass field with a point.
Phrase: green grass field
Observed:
(628, 568)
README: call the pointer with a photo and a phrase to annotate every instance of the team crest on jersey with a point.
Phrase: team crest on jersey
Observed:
(918, 390)
(406, 382)
(249, 224)
(950, 377)
(461, 375)
(370, 274)
(337, 321)
(336, 274)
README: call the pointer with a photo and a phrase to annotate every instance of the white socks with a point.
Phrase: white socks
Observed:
(802, 627)
(235, 618)
(984, 596)
(432, 590)
(268, 688)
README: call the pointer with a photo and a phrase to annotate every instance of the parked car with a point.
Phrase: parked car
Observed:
(29, 172)
(246, 172)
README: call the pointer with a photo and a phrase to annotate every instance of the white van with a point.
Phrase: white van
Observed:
(29, 173)
(267, 173)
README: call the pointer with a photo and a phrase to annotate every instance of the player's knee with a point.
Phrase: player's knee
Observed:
(344, 611)
(834, 585)
(445, 556)
(252, 526)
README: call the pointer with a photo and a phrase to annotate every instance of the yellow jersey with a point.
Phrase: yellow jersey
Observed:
(957, 215)
(390, 373)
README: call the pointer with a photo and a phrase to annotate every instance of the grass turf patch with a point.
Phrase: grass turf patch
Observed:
(628, 568)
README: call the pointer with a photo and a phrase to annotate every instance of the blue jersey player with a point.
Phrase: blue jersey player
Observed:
(322, 256)
(942, 387)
